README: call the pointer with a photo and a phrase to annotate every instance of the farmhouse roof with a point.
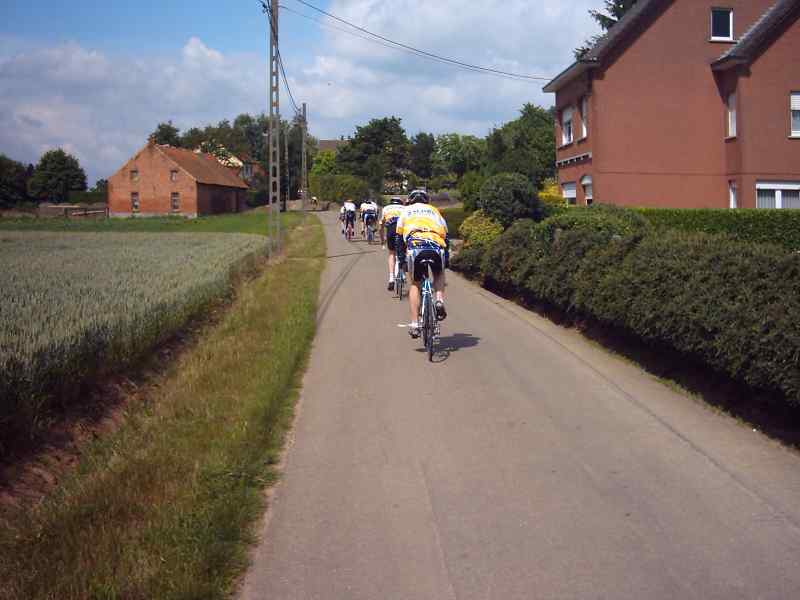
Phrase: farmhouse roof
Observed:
(203, 167)
(334, 145)
(761, 33)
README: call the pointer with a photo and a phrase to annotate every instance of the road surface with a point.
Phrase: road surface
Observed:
(525, 464)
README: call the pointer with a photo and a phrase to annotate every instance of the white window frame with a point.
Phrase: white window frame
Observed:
(733, 195)
(588, 188)
(566, 117)
(134, 175)
(175, 201)
(173, 175)
(778, 187)
(584, 117)
(569, 191)
(730, 112)
(794, 107)
(135, 202)
(711, 17)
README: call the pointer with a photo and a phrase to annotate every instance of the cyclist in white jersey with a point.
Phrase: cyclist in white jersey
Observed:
(349, 211)
(369, 210)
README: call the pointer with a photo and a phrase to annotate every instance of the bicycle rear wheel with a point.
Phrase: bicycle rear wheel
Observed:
(430, 325)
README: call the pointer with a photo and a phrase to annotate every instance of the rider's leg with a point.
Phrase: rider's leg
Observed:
(439, 284)
(414, 300)
(392, 265)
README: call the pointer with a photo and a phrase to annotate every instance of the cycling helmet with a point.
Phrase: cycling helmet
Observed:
(395, 200)
(418, 196)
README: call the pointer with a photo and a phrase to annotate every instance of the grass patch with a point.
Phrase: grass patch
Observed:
(165, 506)
(246, 222)
(454, 218)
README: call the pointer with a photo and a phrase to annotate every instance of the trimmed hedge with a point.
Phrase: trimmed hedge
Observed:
(752, 225)
(729, 303)
(78, 197)
(509, 196)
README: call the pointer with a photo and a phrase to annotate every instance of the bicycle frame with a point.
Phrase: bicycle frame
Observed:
(427, 314)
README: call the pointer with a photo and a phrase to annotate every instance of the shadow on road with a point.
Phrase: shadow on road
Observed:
(351, 254)
(452, 343)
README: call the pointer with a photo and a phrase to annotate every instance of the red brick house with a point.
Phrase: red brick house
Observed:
(685, 103)
(162, 180)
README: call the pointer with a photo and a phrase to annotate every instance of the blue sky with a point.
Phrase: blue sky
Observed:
(96, 77)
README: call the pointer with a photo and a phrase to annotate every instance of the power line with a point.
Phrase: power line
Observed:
(360, 36)
(426, 53)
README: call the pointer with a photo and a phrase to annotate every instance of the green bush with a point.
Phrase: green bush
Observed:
(76, 197)
(338, 188)
(468, 261)
(470, 189)
(508, 261)
(479, 229)
(609, 221)
(753, 225)
(454, 218)
(732, 304)
(256, 198)
(509, 196)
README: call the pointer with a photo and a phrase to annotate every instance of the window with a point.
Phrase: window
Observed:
(566, 126)
(134, 201)
(173, 176)
(722, 24)
(247, 170)
(586, 182)
(732, 194)
(731, 109)
(134, 175)
(778, 194)
(569, 191)
(794, 107)
(584, 117)
(175, 200)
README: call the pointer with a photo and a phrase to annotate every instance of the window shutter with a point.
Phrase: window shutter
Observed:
(795, 102)
(569, 190)
(732, 114)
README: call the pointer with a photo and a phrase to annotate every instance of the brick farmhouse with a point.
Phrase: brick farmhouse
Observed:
(685, 103)
(162, 180)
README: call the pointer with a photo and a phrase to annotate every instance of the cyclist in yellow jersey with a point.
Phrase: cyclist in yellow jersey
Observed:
(422, 232)
(388, 226)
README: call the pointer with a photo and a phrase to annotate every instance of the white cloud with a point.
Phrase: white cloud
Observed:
(102, 106)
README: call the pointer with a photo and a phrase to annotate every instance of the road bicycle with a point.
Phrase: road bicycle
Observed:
(427, 320)
(348, 231)
(370, 229)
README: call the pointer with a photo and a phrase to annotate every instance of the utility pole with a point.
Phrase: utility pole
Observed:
(274, 135)
(304, 164)
(288, 195)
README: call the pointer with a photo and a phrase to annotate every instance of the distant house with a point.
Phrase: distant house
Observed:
(685, 103)
(244, 166)
(162, 180)
(332, 145)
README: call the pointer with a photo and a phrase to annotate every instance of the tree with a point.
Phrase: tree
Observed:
(167, 134)
(12, 182)
(470, 189)
(55, 176)
(421, 154)
(615, 9)
(524, 145)
(383, 138)
(100, 186)
(324, 163)
(192, 138)
(458, 154)
(507, 197)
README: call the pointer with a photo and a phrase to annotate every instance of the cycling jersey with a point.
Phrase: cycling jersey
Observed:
(422, 222)
(391, 213)
(369, 207)
(349, 207)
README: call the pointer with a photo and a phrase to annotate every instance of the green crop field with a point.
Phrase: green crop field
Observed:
(75, 305)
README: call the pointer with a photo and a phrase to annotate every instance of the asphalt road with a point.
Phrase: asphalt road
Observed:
(526, 463)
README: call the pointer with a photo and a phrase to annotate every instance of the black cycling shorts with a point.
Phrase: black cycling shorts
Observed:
(421, 269)
(392, 239)
(349, 218)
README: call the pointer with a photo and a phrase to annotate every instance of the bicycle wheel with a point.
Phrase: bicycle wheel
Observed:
(430, 324)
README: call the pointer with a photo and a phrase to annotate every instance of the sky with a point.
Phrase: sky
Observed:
(95, 78)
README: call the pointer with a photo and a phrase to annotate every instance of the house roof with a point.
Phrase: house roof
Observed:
(324, 145)
(762, 31)
(203, 167)
(604, 45)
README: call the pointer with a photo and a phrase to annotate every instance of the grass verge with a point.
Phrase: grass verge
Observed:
(165, 506)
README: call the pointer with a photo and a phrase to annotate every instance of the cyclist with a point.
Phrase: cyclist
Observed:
(422, 232)
(369, 212)
(388, 226)
(349, 212)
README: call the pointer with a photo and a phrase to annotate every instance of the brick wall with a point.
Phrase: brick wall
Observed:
(154, 186)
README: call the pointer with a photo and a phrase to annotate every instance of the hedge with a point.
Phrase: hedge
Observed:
(753, 225)
(76, 197)
(729, 303)
(479, 229)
